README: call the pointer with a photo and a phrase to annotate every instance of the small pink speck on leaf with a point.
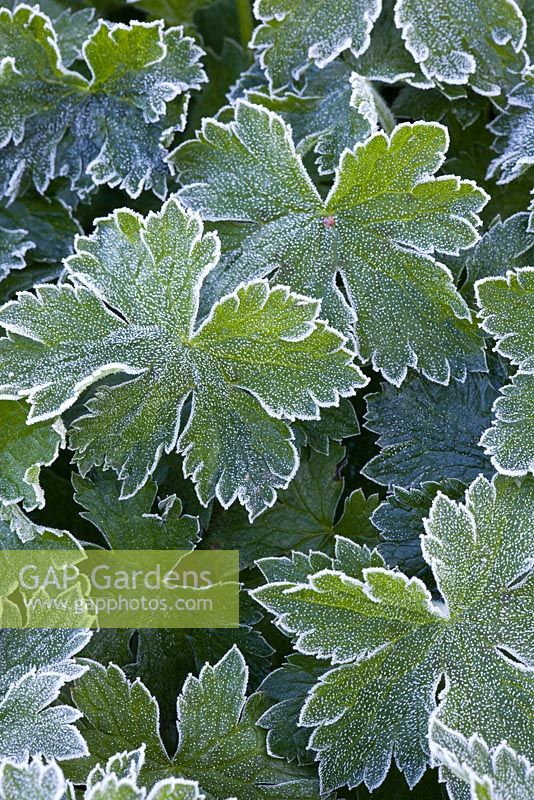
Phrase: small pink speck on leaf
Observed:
(329, 222)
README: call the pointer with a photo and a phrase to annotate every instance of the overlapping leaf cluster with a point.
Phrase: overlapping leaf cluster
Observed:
(267, 284)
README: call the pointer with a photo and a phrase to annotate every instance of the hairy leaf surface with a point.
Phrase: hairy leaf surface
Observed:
(261, 355)
(103, 129)
(375, 232)
(507, 311)
(394, 643)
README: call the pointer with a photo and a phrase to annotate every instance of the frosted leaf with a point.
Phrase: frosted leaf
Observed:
(261, 355)
(374, 233)
(464, 41)
(498, 773)
(294, 32)
(131, 524)
(102, 129)
(24, 449)
(118, 716)
(510, 440)
(394, 643)
(507, 312)
(29, 724)
(303, 516)
(219, 743)
(34, 665)
(387, 59)
(506, 245)
(429, 432)
(33, 781)
(334, 109)
(514, 133)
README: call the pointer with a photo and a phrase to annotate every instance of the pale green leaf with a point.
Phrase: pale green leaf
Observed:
(102, 129)
(24, 449)
(497, 773)
(374, 233)
(395, 643)
(33, 781)
(464, 41)
(261, 355)
(507, 312)
(293, 34)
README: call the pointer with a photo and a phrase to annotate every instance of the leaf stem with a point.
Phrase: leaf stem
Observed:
(385, 115)
(246, 21)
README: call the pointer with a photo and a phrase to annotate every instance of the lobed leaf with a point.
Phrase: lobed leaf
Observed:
(374, 233)
(105, 129)
(260, 356)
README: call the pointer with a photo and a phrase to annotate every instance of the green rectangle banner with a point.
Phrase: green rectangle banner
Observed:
(119, 588)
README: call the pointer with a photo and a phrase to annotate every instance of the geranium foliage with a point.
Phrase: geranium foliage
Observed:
(267, 285)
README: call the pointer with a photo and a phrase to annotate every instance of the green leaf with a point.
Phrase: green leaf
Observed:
(105, 129)
(117, 716)
(304, 517)
(497, 773)
(374, 233)
(399, 520)
(24, 449)
(287, 688)
(335, 424)
(514, 133)
(335, 108)
(164, 658)
(130, 524)
(506, 245)
(395, 644)
(387, 59)
(429, 432)
(261, 355)
(49, 226)
(34, 665)
(507, 314)
(467, 41)
(33, 781)
(220, 745)
(292, 34)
